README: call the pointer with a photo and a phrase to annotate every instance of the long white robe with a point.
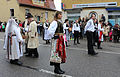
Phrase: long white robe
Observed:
(66, 32)
(46, 31)
(15, 52)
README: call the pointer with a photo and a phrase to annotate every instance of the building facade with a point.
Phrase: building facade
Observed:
(84, 8)
(40, 9)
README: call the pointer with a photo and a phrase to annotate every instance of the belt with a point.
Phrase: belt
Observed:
(14, 35)
(89, 31)
(56, 37)
(59, 33)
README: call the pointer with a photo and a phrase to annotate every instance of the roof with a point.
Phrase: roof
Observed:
(29, 3)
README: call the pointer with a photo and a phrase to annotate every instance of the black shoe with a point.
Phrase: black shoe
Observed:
(99, 47)
(12, 61)
(78, 43)
(28, 55)
(62, 71)
(35, 56)
(94, 54)
(25, 52)
(18, 63)
(57, 71)
(75, 44)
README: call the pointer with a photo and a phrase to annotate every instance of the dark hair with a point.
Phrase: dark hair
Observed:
(56, 14)
(92, 15)
(100, 21)
(66, 20)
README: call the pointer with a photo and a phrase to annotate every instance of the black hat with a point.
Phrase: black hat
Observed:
(29, 15)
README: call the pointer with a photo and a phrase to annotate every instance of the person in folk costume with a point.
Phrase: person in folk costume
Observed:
(25, 26)
(95, 33)
(46, 26)
(58, 49)
(66, 31)
(13, 42)
(76, 31)
(100, 33)
(32, 37)
(89, 29)
(106, 31)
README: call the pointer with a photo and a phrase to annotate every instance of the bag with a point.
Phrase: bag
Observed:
(55, 59)
(24, 37)
(70, 29)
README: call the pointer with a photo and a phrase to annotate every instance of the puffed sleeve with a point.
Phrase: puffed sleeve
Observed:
(18, 35)
(52, 29)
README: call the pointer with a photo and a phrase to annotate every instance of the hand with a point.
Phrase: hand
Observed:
(84, 32)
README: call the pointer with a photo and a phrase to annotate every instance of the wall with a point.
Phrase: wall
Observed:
(19, 11)
(37, 12)
(5, 9)
(99, 11)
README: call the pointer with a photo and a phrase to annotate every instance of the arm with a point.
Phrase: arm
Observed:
(52, 29)
(73, 28)
(44, 26)
(18, 35)
(99, 27)
(87, 26)
(79, 27)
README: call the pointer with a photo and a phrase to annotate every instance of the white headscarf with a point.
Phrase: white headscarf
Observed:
(11, 26)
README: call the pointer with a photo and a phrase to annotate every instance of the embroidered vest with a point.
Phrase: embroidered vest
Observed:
(59, 28)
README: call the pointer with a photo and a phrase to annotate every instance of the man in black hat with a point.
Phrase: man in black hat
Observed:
(33, 42)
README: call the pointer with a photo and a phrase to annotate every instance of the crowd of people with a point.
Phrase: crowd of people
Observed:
(60, 34)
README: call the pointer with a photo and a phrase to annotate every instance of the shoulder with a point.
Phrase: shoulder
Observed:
(99, 25)
(64, 24)
(33, 22)
(74, 24)
(54, 22)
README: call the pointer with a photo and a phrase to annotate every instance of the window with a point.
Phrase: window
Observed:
(11, 12)
(27, 11)
(38, 18)
(46, 15)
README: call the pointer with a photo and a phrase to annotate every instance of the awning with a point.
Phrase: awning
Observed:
(113, 9)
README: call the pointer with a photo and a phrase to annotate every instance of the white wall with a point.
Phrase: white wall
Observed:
(100, 11)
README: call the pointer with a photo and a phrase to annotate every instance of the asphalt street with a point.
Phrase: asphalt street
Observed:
(79, 63)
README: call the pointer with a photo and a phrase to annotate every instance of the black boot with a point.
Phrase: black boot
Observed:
(29, 53)
(36, 54)
(99, 45)
(57, 70)
(17, 62)
(60, 69)
(12, 61)
(66, 44)
(46, 41)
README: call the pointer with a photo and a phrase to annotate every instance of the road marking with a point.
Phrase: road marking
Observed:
(52, 73)
(45, 71)
(96, 50)
(1, 40)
